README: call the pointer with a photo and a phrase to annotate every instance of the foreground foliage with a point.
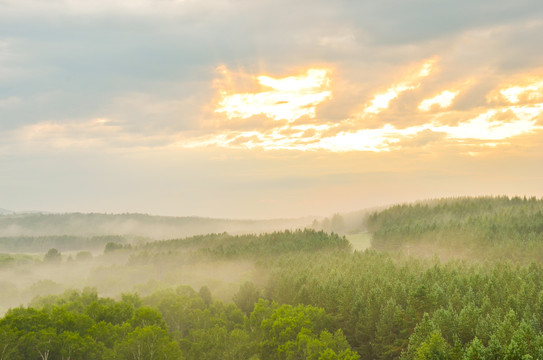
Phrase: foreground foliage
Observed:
(180, 324)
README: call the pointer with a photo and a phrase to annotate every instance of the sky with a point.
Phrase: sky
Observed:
(267, 109)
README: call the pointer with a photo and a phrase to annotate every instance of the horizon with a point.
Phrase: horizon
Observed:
(370, 209)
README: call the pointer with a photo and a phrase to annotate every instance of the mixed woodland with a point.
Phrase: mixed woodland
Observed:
(458, 278)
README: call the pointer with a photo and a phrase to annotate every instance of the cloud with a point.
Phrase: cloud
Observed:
(442, 100)
(272, 114)
(382, 101)
(79, 7)
(485, 127)
(102, 50)
(422, 139)
(491, 125)
(66, 135)
(530, 93)
(11, 61)
(395, 22)
(287, 98)
(148, 67)
(10, 101)
(146, 113)
(96, 135)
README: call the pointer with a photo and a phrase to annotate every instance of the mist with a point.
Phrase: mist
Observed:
(121, 253)
(115, 273)
(134, 225)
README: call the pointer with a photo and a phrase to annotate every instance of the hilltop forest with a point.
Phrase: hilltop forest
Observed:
(457, 278)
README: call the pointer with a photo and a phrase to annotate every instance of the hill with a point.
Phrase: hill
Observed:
(156, 227)
(475, 228)
(37, 232)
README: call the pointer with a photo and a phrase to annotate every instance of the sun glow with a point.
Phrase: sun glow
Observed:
(286, 98)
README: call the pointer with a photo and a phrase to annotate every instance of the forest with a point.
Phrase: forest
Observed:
(456, 278)
(476, 228)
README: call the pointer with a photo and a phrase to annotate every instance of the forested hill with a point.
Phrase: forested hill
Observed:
(225, 246)
(469, 227)
(154, 227)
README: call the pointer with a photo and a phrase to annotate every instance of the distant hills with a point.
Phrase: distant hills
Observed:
(5, 212)
(137, 225)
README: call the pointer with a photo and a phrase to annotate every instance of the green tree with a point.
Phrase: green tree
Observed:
(475, 351)
(246, 297)
(75, 347)
(205, 294)
(52, 256)
(422, 332)
(433, 348)
(8, 344)
(148, 343)
(147, 316)
(324, 346)
(43, 343)
(83, 256)
(112, 246)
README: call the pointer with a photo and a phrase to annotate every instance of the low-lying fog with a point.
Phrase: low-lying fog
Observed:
(114, 273)
(81, 257)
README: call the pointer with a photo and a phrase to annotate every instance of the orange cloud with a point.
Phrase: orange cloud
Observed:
(442, 100)
(526, 89)
(382, 101)
(292, 97)
(531, 92)
(286, 98)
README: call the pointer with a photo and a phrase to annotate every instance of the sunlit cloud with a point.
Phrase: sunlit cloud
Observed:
(375, 140)
(382, 101)
(483, 127)
(301, 137)
(442, 100)
(286, 98)
(295, 96)
(531, 92)
(486, 127)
